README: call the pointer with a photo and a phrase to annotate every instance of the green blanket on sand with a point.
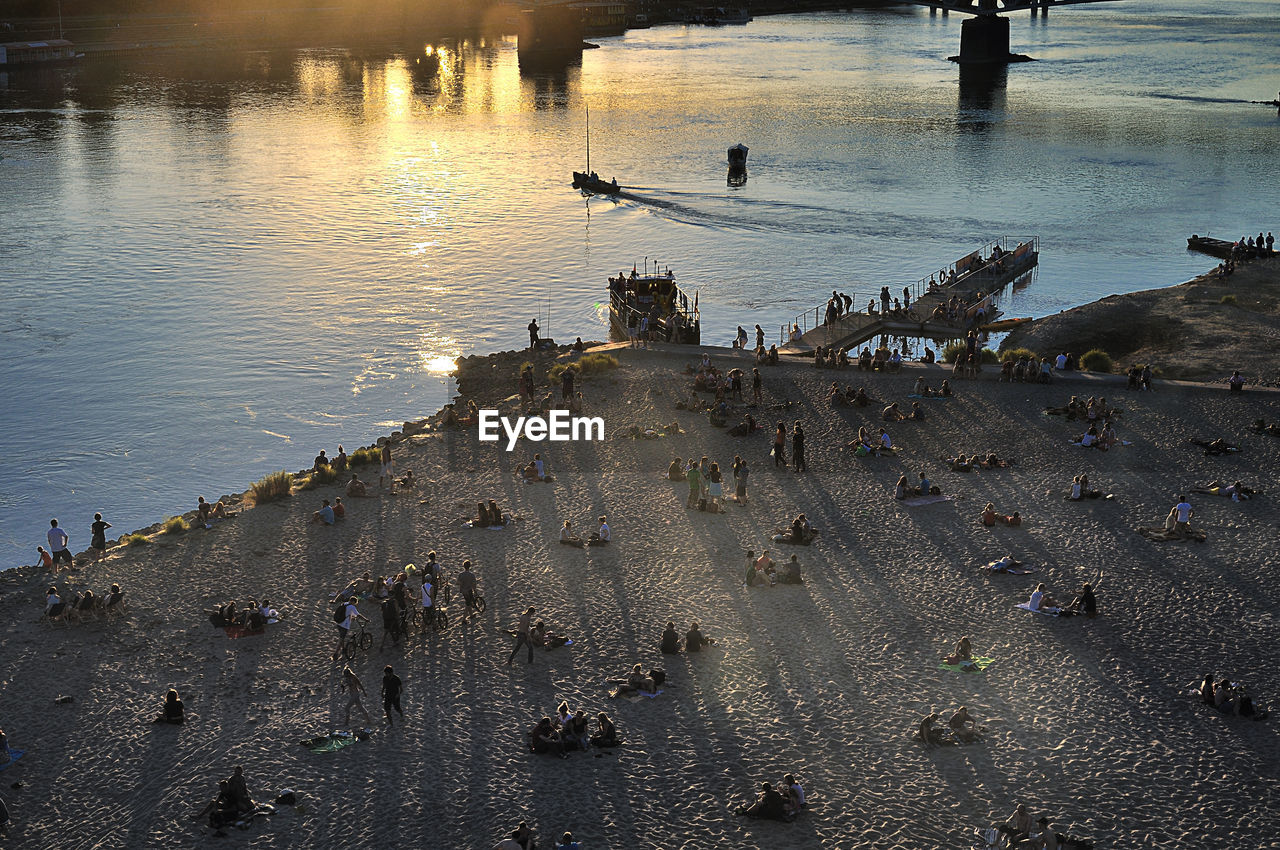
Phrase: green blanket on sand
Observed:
(980, 662)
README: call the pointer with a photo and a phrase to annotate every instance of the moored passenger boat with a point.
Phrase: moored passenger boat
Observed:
(671, 316)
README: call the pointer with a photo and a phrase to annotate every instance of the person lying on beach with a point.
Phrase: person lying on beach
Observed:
(963, 652)
(568, 538)
(695, 640)
(745, 428)
(355, 587)
(892, 413)
(1004, 565)
(1215, 447)
(990, 517)
(1230, 698)
(542, 637)
(1261, 426)
(606, 733)
(991, 461)
(1236, 491)
(1041, 600)
(961, 463)
(769, 805)
(675, 472)
(172, 710)
(928, 734)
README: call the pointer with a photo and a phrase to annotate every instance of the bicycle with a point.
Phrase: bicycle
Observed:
(363, 641)
(476, 603)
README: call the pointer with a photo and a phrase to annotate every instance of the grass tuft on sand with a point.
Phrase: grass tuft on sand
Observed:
(275, 486)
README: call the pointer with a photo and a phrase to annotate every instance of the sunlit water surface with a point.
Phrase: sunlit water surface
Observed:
(213, 266)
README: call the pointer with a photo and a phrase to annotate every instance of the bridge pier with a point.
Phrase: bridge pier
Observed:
(984, 40)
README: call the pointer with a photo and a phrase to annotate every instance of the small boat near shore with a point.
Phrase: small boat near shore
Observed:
(37, 54)
(1219, 248)
(656, 295)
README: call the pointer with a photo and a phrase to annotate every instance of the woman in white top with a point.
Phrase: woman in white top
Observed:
(601, 535)
(567, 537)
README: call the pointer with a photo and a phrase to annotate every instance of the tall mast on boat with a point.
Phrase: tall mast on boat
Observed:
(588, 139)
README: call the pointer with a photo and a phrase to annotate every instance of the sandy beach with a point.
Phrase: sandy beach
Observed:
(1088, 720)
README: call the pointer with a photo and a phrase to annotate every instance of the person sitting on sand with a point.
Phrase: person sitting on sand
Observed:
(221, 810)
(321, 462)
(917, 412)
(568, 538)
(240, 791)
(963, 652)
(481, 519)
(791, 572)
(675, 472)
(636, 682)
(924, 487)
(53, 605)
(769, 805)
(801, 533)
(695, 640)
(606, 733)
(892, 413)
(356, 489)
(1182, 515)
(989, 515)
(1206, 689)
(1041, 600)
(407, 480)
(860, 398)
(324, 515)
(1048, 839)
(963, 726)
(1086, 603)
(670, 644)
(172, 710)
(793, 794)
(1090, 438)
(961, 463)
(1018, 826)
(930, 736)
(1080, 489)
(902, 490)
(543, 738)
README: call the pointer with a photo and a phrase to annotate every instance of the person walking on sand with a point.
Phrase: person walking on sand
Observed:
(533, 333)
(797, 449)
(58, 540)
(392, 687)
(98, 535)
(388, 473)
(522, 636)
(354, 688)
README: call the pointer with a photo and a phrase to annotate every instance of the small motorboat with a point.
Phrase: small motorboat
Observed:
(738, 157)
(1003, 324)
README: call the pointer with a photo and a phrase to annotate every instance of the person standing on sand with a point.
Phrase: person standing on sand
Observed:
(797, 449)
(98, 535)
(352, 685)
(740, 474)
(522, 636)
(350, 614)
(757, 390)
(694, 478)
(533, 333)
(780, 447)
(388, 473)
(58, 540)
(392, 687)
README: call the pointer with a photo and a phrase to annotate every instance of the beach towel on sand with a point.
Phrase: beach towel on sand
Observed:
(330, 743)
(14, 755)
(925, 500)
(1048, 612)
(981, 663)
(1012, 571)
(1161, 533)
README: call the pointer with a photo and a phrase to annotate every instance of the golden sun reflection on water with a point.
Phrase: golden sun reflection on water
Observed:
(440, 364)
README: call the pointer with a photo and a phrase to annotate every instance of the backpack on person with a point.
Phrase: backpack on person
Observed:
(340, 614)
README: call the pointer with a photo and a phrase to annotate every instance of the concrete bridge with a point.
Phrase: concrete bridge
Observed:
(984, 38)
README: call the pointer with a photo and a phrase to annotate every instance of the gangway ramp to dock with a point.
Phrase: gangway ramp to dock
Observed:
(976, 277)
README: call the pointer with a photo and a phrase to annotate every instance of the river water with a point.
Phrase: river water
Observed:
(211, 266)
